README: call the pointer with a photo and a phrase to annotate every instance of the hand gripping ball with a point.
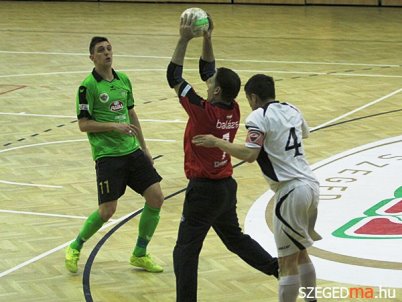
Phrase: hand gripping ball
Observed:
(201, 23)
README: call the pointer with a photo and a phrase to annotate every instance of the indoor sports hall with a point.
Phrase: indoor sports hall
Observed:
(339, 61)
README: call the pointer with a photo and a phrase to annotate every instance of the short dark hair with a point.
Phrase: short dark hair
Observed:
(230, 83)
(94, 41)
(261, 85)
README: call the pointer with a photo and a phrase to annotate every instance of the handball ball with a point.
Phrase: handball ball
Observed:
(201, 24)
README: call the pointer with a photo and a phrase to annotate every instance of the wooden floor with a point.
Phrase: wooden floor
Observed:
(328, 61)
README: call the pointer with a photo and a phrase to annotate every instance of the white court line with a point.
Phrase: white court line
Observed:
(32, 260)
(334, 73)
(47, 253)
(45, 214)
(358, 109)
(197, 58)
(28, 184)
(59, 142)
(120, 219)
(196, 70)
(38, 115)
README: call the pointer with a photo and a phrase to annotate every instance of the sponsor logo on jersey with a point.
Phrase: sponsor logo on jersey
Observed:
(227, 124)
(359, 216)
(218, 164)
(104, 97)
(116, 106)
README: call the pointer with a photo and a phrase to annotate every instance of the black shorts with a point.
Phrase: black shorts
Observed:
(114, 174)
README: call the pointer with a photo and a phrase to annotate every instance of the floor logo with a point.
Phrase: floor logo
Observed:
(360, 216)
(382, 221)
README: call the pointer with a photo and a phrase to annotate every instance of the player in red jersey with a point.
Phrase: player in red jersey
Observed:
(210, 199)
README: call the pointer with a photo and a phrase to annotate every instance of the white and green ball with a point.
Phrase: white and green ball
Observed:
(201, 24)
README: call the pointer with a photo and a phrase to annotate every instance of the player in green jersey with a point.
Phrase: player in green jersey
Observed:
(105, 111)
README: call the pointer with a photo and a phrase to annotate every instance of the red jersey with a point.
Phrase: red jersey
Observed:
(219, 119)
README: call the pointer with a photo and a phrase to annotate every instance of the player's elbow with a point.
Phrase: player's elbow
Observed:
(250, 159)
(251, 155)
(83, 125)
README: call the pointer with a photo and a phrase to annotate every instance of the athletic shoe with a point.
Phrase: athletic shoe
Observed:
(147, 263)
(71, 261)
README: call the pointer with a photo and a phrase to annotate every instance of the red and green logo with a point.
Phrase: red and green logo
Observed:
(381, 221)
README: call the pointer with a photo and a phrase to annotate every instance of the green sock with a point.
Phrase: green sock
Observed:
(148, 223)
(93, 223)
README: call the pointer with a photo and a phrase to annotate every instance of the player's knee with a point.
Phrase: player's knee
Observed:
(154, 196)
(106, 211)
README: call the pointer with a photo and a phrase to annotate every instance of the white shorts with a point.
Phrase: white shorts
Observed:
(295, 216)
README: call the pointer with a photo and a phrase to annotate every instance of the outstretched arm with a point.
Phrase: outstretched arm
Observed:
(175, 68)
(239, 151)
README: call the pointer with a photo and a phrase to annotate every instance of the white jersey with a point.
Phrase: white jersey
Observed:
(278, 129)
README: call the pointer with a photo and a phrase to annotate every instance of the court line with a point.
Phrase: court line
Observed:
(11, 90)
(73, 141)
(358, 109)
(91, 258)
(45, 214)
(197, 58)
(21, 265)
(332, 73)
(57, 248)
(59, 142)
(28, 184)
(88, 265)
(2, 274)
(34, 259)
(72, 116)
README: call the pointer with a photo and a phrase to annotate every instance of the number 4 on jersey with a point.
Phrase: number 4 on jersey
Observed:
(293, 142)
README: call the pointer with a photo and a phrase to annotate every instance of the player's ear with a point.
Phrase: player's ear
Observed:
(91, 57)
(255, 98)
(217, 90)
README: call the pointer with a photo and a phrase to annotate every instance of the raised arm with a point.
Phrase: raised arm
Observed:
(175, 68)
(207, 59)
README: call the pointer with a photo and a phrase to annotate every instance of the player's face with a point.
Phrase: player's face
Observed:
(103, 54)
(251, 101)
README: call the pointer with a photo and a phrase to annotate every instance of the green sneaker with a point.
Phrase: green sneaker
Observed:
(71, 261)
(147, 263)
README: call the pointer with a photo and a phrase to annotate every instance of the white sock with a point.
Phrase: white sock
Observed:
(288, 288)
(308, 281)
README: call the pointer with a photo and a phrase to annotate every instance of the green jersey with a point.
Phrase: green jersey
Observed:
(104, 101)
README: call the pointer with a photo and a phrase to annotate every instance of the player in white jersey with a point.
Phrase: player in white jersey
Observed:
(274, 139)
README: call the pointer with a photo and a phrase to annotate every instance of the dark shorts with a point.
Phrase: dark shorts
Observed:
(114, 174)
